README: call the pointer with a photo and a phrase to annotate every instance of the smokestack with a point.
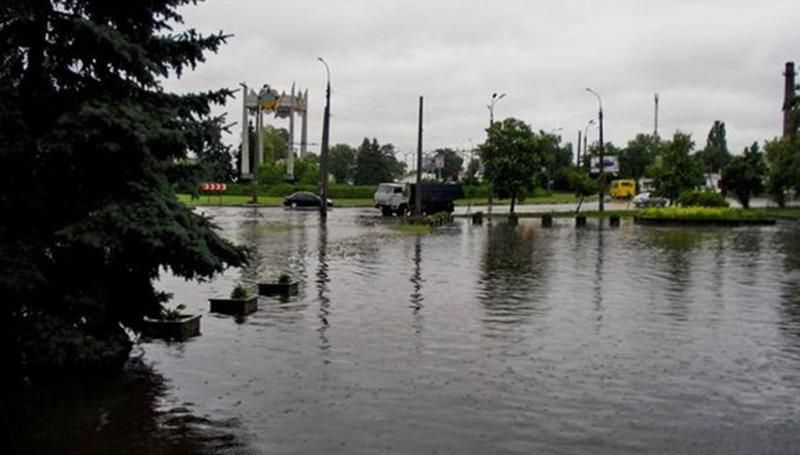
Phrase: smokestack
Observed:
(787, 97)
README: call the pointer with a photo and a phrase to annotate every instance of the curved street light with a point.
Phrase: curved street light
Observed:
(494, 100)
(323, 154)
(601, 177)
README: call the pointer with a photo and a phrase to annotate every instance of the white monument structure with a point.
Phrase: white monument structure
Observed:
(268, 100)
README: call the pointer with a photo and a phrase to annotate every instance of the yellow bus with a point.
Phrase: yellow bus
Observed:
(622, 189)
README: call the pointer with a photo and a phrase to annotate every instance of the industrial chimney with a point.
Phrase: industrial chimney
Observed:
(787, 97)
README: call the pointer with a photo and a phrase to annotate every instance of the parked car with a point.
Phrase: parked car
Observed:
(647, 199)
(303, 199)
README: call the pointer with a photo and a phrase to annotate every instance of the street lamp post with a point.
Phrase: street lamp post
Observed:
(492, 102)
(601, 177)
(323, 158)
(586, 139)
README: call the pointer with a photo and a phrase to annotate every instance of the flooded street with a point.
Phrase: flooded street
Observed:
(470, 340)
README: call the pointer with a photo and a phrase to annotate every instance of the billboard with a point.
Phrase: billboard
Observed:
(610, 165)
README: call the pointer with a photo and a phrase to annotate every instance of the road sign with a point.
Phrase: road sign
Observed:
(213, 187)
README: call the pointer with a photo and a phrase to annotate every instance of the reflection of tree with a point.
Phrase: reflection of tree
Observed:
(675, 250)
(788, 242)
(113, 415)
(513, 274)
(252, 236)
(275, 246)
(322, 288)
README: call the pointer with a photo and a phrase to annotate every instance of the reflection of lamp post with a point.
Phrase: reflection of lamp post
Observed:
(601, 177)
(494, 100)
(323, 154)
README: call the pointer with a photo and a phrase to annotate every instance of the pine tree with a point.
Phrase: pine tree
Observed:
(89, 142)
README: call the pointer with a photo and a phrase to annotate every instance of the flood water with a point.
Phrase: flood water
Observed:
(469, 340)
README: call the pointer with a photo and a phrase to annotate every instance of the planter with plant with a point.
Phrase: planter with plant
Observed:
(241, 302)
(172, 324)
(284, 285)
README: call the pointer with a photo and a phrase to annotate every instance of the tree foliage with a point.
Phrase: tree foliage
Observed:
(88, 140)
(342, 162)
(376, 163)
(453, 164)
(638, 156)
(677, 170)
(715, 156)
(783, 168)
(744, 175)
(471, 175)
(512, 157)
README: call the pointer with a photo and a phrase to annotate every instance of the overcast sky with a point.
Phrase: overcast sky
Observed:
(706, 59)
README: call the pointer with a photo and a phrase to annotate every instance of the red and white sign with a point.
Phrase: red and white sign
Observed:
(213, 187)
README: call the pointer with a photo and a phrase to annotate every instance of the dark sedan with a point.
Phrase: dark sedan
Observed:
(303, 199)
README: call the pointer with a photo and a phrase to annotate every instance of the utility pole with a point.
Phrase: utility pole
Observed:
(655, 129)
(418, 201)
(323, 158)
(578, 151)
(601, 177)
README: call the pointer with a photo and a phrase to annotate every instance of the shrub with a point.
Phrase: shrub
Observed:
(172, 314)
(240, 292)
(701, 198)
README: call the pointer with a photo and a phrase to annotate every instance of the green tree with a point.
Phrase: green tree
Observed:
(637, 157)
(376, 163)
(715, 156)
(783, 168)
(744, 174)
(341, 162)
(453, 164)
(272, 173)
(306, 170)
(472, 172)
(677, 170)
(583, 185)
(512, 157)
(276, 143)
(88, 138)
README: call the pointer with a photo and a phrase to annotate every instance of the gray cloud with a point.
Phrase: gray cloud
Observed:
(707, 59)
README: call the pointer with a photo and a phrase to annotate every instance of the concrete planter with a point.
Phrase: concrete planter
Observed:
(183, 328)
(613, 220)
(580, 221)
(513, 219)
(547, 220)
(290, 288)
(477, 218)
(236, 307)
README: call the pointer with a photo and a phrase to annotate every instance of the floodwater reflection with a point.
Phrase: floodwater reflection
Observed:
(482, 339)
(124, 414)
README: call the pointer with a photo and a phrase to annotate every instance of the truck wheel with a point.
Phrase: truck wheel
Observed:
(401, 211)
(386, 211)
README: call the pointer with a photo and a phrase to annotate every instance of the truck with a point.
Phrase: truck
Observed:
(400, 198)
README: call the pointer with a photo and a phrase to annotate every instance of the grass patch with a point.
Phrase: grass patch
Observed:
(701, 213)
(404, 228)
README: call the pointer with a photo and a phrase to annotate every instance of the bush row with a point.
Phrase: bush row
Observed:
(701, 198)
(335, 191)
